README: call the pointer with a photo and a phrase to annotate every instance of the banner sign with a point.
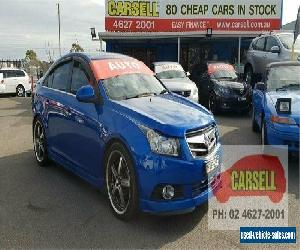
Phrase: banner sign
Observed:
(192, 15)
(105, 69)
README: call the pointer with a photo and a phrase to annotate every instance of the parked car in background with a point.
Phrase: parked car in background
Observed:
(276, 105)
(176, 79)
(268, 48)
(109, 120)
(219, 89)
(14, 81)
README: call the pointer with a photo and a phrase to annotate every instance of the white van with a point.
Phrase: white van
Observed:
(14, 81)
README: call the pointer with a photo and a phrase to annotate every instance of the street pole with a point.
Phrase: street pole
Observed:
(59, 43)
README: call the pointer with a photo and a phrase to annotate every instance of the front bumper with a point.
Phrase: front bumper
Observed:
(234, 103)
(193, 186)
(279, 138)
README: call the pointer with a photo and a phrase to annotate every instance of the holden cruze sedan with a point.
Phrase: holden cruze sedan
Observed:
(110, 121)
(276, 106)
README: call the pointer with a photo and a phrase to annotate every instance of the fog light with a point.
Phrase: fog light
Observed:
(168, 192)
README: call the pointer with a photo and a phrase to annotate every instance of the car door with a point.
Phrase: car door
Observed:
(83, 145)
(10, 81)
(271, 57)
(258, 56)
(56, 108)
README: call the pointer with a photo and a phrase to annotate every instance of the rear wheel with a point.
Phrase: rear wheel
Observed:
(121, 182)
(20, 91)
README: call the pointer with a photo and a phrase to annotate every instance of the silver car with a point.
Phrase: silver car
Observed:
(176, 79)
(268, 48)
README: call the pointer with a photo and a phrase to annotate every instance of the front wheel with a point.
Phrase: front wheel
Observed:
(40, 144)
(264, 137)
(121, 182)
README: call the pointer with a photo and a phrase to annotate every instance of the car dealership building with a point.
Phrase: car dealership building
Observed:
(189, 31)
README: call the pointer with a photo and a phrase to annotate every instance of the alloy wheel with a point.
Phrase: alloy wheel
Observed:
(39, 142)
(118, 182)
(20, 91)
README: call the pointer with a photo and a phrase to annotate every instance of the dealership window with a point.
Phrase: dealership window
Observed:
(79, 77)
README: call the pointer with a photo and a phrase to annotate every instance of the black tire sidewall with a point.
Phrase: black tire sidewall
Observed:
(17, 91)
(133, 206)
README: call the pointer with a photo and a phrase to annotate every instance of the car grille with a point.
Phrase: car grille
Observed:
(202, 142)
(202, 186)
(183, 93)
(238, 92)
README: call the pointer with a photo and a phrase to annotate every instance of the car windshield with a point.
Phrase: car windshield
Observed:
(283, 78)
(224, 74)
(170, 74)
(288, 39)
(132, 86)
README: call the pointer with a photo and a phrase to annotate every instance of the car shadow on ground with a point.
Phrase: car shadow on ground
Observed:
(51, 207)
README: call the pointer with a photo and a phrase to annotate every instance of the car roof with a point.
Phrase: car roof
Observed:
(95, 57)
(11, 69)
(287, 63)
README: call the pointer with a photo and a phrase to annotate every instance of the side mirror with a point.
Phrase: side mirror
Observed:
(188, 74)
(260, 86)
(1, 77)
(86, 94)
(275, 49)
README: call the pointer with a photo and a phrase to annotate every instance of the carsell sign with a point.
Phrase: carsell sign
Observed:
(193, 15)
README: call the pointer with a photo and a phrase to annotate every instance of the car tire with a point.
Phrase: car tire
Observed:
(121, 183)
(249, 75)
(20, 91)
(40, 143)
(255, 127)
(212, 103)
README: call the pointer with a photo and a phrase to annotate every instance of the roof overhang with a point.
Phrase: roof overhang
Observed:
(162, 35)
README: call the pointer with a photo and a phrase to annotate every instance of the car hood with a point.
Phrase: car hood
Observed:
(179, 84)
(169, 114)
(295, 97)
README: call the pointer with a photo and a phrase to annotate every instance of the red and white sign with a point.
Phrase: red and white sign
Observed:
(192, 15)
(105, 69)
(212, 68)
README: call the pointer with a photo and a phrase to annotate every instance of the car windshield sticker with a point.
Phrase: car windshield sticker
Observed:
(167, 67)
(212, 68)
(105, 69)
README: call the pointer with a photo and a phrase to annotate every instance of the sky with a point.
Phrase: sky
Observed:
(33, 24)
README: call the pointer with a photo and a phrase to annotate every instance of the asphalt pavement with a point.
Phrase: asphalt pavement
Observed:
(52, 208)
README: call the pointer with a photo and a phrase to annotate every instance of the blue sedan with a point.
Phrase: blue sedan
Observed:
(276, 106)
(110, 121)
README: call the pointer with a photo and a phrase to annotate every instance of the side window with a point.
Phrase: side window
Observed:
(271, 41)
(19, 73)
(61, 76)
(260, 44)
(79, 77)
(11, 73)
(48, 80)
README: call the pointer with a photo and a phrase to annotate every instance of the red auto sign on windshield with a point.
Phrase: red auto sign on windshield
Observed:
(212, 68)
(108, 68)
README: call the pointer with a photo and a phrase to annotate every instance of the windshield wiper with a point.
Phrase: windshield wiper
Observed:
(288, 86)
(139, 96)
(163, 92)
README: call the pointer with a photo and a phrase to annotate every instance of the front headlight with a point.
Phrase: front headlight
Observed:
(283, 120)
(160, 144)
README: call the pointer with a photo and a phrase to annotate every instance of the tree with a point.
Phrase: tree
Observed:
(76, 48)
(31, 55)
